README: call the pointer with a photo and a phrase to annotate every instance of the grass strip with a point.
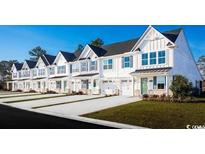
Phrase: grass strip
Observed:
(37, 107)
(153, 114)
(33, 99)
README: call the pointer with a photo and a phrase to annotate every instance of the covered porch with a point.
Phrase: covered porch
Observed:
(87, 83)
(154, 81)
(59, 84)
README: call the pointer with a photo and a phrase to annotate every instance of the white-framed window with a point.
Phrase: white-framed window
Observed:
(159, 82)
(61, 69)
(107, 64)
(145, 59)
(25, 73)
(58, 85)
(93, 65)
(34, 72)
(127, 62)
(161, 57)
(153, 58)
(84, 66)
(14, 75)
(75, 67)
(51, 70)
(41, 72)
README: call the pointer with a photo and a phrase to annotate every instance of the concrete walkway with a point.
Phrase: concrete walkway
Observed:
(84, 107)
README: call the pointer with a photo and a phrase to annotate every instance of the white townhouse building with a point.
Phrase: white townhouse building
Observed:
(144, 65)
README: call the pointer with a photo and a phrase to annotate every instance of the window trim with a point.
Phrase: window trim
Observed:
(151, 58)
(144, 59)
(162, 57)
(107, 65)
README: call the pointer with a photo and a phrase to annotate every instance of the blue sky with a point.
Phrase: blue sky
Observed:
(16, 41)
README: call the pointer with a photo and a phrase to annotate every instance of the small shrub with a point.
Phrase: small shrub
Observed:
(181, 88)
(51, 92)
(145, 96)
(19, 90)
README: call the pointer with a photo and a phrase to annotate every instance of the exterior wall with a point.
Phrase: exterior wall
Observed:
(117, 80)
(184, 63)
(154, 42)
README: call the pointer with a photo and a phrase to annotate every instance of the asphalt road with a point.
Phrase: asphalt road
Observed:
(13, 118)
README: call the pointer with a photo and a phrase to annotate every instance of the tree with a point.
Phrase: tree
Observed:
(181, 87)
(97, 42)
(36, 52)
(79, 48)
(201, 65)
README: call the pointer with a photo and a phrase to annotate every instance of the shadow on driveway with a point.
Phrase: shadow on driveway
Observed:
(13, 118)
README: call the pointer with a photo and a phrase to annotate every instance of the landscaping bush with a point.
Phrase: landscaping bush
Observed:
(181, 88)
(145, 96)
(51, 92)
(19, 90)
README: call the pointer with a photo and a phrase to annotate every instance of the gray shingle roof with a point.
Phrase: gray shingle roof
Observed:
(172, 34)
(48, 59)
(68, 56)
(126, 46)
(18, 66)
(31, 64)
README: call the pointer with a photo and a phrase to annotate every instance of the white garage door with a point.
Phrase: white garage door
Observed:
(109, 88)
(126, 87)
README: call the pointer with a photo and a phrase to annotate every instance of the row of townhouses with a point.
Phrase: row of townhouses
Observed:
(145, 65)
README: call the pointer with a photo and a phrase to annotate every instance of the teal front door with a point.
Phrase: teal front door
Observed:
(144, 86)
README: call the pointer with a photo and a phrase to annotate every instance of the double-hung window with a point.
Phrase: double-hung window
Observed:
(34, 72)
(61, 69)
(93, 65)
(127, 62)
(153, 59)
(84, 66)
(161, 57)
(75, 68)
(145, 59)
(51, 70)
(159, 82)
(41, 72)
(107, 64)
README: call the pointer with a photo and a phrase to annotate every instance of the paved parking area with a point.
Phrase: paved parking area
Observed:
(65, 106)
(84, 107)
(23, 98)
(9, 95)
(39, 103)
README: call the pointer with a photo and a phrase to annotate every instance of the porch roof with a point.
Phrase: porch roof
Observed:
(55, 77)
(87, 75)
(152, 70)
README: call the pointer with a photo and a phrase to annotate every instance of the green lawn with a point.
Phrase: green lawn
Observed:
(155, 114)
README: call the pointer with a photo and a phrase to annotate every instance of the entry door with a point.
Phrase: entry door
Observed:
(84, 84)
(144, 86)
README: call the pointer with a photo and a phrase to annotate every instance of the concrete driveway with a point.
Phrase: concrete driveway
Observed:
(84, 107)
(52, 101)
